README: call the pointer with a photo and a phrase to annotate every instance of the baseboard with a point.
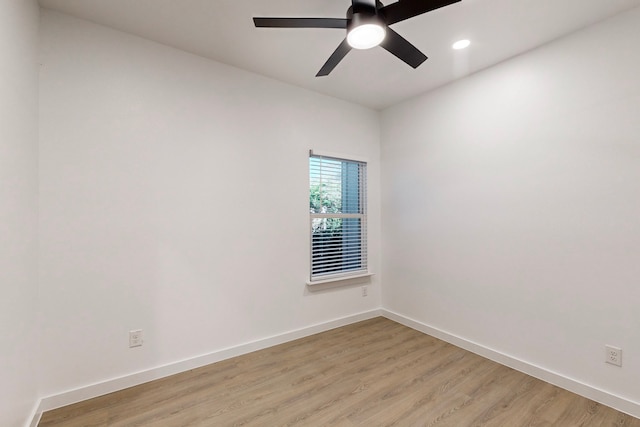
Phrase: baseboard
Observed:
(35, 416)
(99, 389)
(617, 402)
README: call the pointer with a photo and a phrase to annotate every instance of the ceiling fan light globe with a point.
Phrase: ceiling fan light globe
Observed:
(366, 36)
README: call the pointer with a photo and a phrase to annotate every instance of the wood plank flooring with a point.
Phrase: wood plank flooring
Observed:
(372, 373)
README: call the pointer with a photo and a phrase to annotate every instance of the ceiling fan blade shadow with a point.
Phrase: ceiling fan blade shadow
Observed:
(401, 48)
(340, 23)
(405, 9)
(334, 59)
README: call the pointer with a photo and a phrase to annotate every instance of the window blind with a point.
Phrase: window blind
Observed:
(337, 205)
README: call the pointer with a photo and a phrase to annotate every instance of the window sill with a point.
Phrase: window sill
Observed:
(338, 279)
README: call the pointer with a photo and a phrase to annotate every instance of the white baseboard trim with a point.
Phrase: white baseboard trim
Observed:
(617, 402)
(35, 416)
(105, 387)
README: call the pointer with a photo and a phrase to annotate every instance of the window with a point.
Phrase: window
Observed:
(337, 205)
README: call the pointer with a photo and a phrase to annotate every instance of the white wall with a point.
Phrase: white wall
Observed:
(18, 209)
(174, 197)
(511, 206)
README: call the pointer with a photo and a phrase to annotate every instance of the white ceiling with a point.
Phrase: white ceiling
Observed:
(223, 30)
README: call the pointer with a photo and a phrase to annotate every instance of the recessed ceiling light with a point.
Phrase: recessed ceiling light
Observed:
(461, 44)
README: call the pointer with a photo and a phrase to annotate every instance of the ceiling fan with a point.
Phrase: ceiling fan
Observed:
(367, 24)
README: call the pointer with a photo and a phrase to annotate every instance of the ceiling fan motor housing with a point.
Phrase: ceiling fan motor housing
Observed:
(362, 18)
(361, 14)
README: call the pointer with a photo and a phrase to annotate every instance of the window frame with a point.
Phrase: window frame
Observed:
(344, 273)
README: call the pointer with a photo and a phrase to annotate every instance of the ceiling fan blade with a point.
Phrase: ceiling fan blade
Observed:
(301, 22)
(397, 45)
(334, 59)
(405, 9)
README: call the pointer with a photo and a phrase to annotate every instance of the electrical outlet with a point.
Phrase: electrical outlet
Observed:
(135, 338)
(613, 355)
(365, 291)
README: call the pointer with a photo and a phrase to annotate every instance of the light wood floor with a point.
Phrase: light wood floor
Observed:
(372, 373)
